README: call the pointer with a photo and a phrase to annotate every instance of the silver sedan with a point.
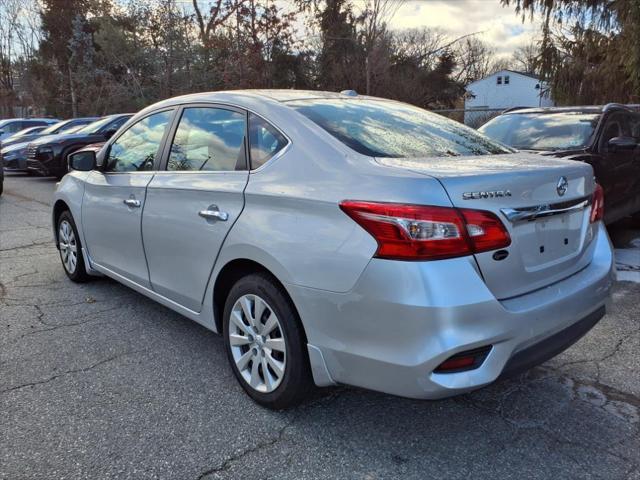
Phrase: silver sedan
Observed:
(341, 239)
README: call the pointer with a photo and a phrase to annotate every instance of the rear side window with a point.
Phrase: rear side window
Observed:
(379, 128)
(264, 140)
(209, 139)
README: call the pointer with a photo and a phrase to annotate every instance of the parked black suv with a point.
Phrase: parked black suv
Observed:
(608, 138)
(48, 155)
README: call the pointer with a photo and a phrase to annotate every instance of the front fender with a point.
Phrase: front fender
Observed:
(68, 194)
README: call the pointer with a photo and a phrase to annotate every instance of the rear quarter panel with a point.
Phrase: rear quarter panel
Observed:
(293, 225)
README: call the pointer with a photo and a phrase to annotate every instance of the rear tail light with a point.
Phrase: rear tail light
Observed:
(420, 232)
(597, 204)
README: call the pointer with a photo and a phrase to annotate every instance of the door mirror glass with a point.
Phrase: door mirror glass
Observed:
(83, 161)
(622, 143)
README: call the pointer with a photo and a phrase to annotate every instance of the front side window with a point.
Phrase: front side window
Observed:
(97, 126)
(209, 139)
(380, 128)
(635, 127)
(264, 140)
(136, 149)
(616, 126)
(543, 131)
(116, 124)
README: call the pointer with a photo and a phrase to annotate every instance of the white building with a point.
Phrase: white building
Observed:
(506, 89)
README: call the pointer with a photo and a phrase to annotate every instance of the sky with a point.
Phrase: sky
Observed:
(501, 27)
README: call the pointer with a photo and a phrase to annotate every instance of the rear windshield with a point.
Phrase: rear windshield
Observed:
(379, 128)
(546, 131)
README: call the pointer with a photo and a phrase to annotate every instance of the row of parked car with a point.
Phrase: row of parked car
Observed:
(41, 145)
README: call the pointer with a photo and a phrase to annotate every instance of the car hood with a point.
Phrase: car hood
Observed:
(62, 138)
(22, 139)
(14, 147)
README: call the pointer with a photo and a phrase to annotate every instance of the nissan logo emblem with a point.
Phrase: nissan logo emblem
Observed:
(563, 185)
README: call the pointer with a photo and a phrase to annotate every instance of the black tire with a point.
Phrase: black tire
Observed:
(296, 383)
(78, 275)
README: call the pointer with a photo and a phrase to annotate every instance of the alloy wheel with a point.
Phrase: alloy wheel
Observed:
(257, 343)
(68, 246)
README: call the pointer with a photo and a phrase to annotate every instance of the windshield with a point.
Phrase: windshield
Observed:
(59, 127)
(27, 131)
(379, 128)
(94, 127)
(546, 131)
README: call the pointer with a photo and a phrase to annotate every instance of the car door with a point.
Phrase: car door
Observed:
(617, 170)
(634, 126)
(194, 202)
(114, 198)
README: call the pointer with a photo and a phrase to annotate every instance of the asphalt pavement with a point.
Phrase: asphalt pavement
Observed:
(97, 381)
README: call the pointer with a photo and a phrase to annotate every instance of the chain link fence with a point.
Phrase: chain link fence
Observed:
(473, 118)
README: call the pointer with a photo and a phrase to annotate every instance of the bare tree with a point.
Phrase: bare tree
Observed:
(375, 18)
(19, 37)
(474, 60)
(219, 13)
(526, 58)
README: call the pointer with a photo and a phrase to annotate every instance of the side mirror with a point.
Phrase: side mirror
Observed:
(82, 161)
(622, 143)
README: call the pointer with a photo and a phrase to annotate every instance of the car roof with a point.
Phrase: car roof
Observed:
(241, 97)
(575, 109)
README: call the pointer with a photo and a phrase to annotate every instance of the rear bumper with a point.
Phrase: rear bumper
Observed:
(550, 347)
(403, 319)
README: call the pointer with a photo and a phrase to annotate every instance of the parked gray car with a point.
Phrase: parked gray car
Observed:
(342, 239)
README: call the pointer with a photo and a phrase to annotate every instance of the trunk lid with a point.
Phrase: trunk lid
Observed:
(550, 233)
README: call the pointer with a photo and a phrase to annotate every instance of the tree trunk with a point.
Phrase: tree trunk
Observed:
(72, 91)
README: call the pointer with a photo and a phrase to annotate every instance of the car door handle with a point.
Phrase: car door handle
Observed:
(132, 202)
(213, 213)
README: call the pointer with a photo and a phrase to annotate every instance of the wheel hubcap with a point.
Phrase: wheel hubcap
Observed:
(257, 343)
(68, 246)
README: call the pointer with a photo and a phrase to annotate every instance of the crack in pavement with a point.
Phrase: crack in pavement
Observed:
(21, 247)
(228, 462)
(22, 198)
(89, 319)
(69, 372)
